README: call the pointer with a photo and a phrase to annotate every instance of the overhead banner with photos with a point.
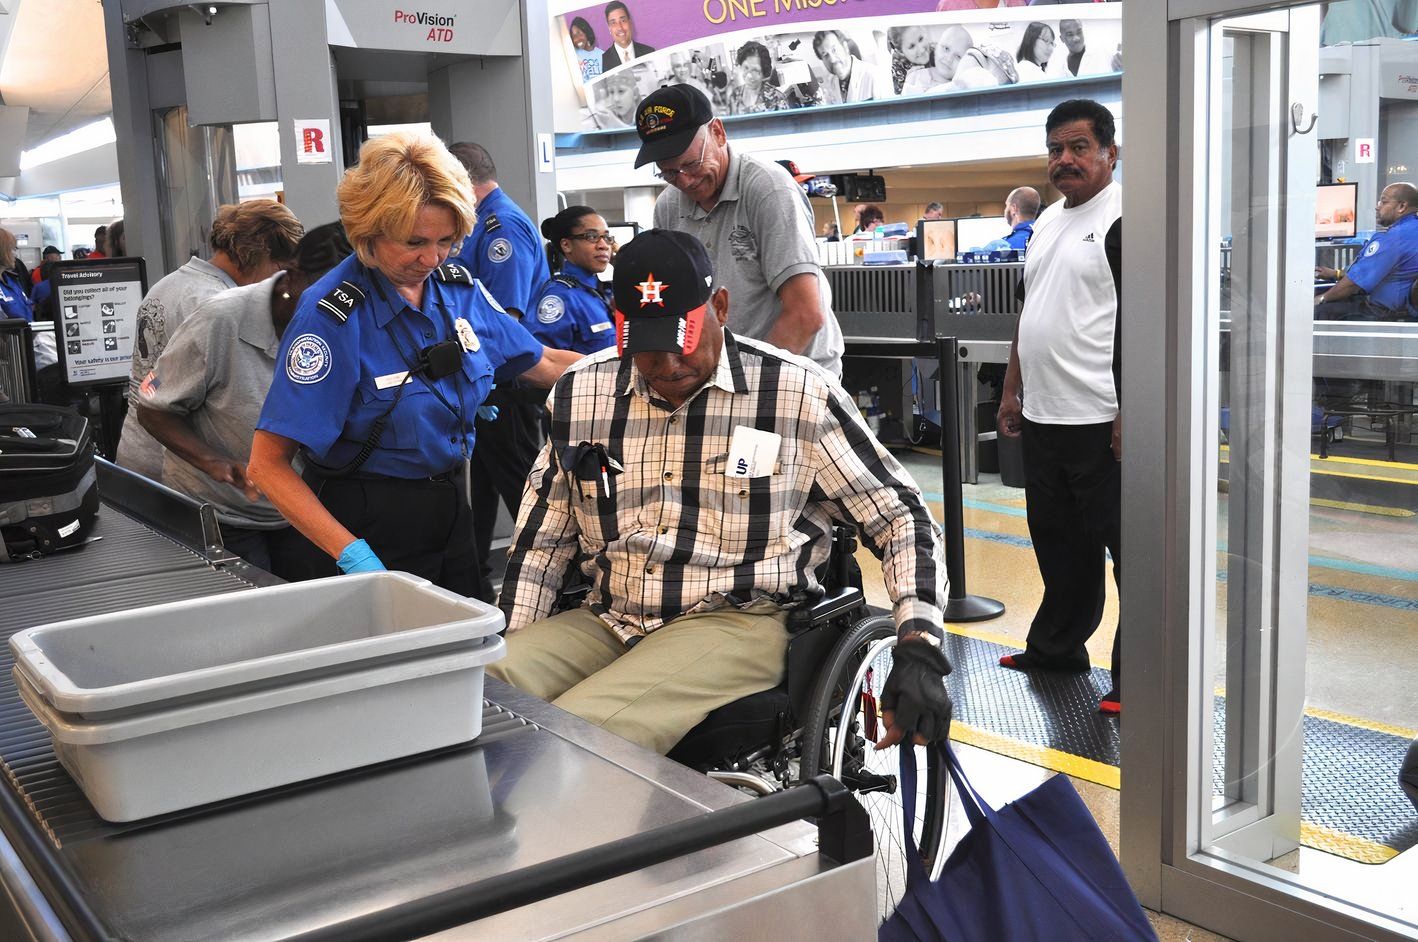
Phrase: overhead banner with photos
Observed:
(758, 56)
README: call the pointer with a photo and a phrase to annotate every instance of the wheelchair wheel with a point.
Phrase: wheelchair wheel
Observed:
(841, 726)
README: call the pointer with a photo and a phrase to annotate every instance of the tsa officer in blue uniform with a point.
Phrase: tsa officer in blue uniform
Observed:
(505, 253)
(572, 313)
(1376, 286)
(1021, 208)
(381, 372)
(14, 297)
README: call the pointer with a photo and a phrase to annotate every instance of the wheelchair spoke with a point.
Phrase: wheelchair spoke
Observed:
(840, 735)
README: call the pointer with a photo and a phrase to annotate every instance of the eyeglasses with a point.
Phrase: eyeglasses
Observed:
(593, 237)
(670, 176)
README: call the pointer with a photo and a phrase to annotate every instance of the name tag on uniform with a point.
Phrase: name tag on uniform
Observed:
(752, 453)
(393, 379)
(604, 325)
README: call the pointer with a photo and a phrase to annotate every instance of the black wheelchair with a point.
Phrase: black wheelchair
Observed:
(824, 717)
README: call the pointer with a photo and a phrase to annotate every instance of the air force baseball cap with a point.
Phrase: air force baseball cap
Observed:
(667, 120)
(661, 288)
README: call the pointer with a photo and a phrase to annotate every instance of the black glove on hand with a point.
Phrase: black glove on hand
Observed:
(915, 691)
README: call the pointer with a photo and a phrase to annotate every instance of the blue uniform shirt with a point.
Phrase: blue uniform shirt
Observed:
(41, 293)
(505, 253)
(1388, 264)
(572, 316)
(343, 359)
(1018, 238)
(14, 302)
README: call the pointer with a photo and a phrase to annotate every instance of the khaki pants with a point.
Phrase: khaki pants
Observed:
(660, 689)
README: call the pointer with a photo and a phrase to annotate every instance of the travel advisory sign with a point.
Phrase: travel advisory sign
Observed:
(97, 321)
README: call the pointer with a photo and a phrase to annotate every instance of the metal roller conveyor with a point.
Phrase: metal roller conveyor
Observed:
(531, 815)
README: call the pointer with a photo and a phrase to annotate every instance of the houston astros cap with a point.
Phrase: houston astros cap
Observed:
(667, 120)
(662, 284)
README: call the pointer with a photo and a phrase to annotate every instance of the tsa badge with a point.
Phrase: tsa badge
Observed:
(466, 337)
(309, 359)
(551, 309)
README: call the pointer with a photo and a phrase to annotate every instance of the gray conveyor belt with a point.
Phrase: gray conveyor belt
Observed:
(294, 860)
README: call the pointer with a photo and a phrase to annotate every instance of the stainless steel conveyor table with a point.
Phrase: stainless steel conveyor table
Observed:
(538, 784)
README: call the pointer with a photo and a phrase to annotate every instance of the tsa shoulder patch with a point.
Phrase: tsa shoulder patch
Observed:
(551, 309)
(499, 251)
(309, 359)
(454, 274)
(341, 301)
(1373, 247)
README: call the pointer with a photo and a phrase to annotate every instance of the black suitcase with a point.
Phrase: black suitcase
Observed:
(48, 484)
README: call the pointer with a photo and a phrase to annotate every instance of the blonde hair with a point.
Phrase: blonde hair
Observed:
(397, 175)
(7, 249)
(250, 233)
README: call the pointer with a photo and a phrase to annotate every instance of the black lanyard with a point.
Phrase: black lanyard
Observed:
(571, 282)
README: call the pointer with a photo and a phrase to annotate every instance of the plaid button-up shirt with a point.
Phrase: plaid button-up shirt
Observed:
(676, 535)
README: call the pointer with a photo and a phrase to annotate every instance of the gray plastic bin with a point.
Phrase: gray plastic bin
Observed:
(177, 757)
(164, 655)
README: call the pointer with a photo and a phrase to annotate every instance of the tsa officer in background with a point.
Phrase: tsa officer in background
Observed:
(572, 311)
(1376, 286)
(382, 369)
(14, 298)
(505, 253)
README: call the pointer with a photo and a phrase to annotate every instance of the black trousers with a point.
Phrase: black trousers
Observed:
(502, 458)
(421, 526)
(283, 552)
(1073, 491)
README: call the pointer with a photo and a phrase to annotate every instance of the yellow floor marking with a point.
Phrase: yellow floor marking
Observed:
(1345, 845)
(1401, 732)
(1361, 508)
(1371, 462)
(1100, 773)
(1363, 477)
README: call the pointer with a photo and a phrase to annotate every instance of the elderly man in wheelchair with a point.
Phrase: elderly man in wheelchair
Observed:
(698, 477)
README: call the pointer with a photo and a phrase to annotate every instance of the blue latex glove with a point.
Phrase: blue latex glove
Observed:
(358, 557)
(487, 413)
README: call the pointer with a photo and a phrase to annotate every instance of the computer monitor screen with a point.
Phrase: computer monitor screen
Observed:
(975, 231)
(936, 240)
(623, 231)
(1335, 210)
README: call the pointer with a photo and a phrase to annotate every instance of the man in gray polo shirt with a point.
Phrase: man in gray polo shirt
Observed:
(752, 217)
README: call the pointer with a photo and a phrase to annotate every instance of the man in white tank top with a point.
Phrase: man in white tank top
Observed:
(1061, 392)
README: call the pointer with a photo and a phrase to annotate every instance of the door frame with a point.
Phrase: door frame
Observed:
(1164, 293)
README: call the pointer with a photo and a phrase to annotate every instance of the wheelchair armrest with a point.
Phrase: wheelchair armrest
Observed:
(833, 604)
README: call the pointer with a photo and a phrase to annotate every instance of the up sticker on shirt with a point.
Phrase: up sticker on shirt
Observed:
(752, 453)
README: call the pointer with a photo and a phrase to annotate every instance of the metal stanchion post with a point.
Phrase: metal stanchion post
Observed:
(959, 605)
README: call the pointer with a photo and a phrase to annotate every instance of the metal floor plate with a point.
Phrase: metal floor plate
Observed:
(1351, 804)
